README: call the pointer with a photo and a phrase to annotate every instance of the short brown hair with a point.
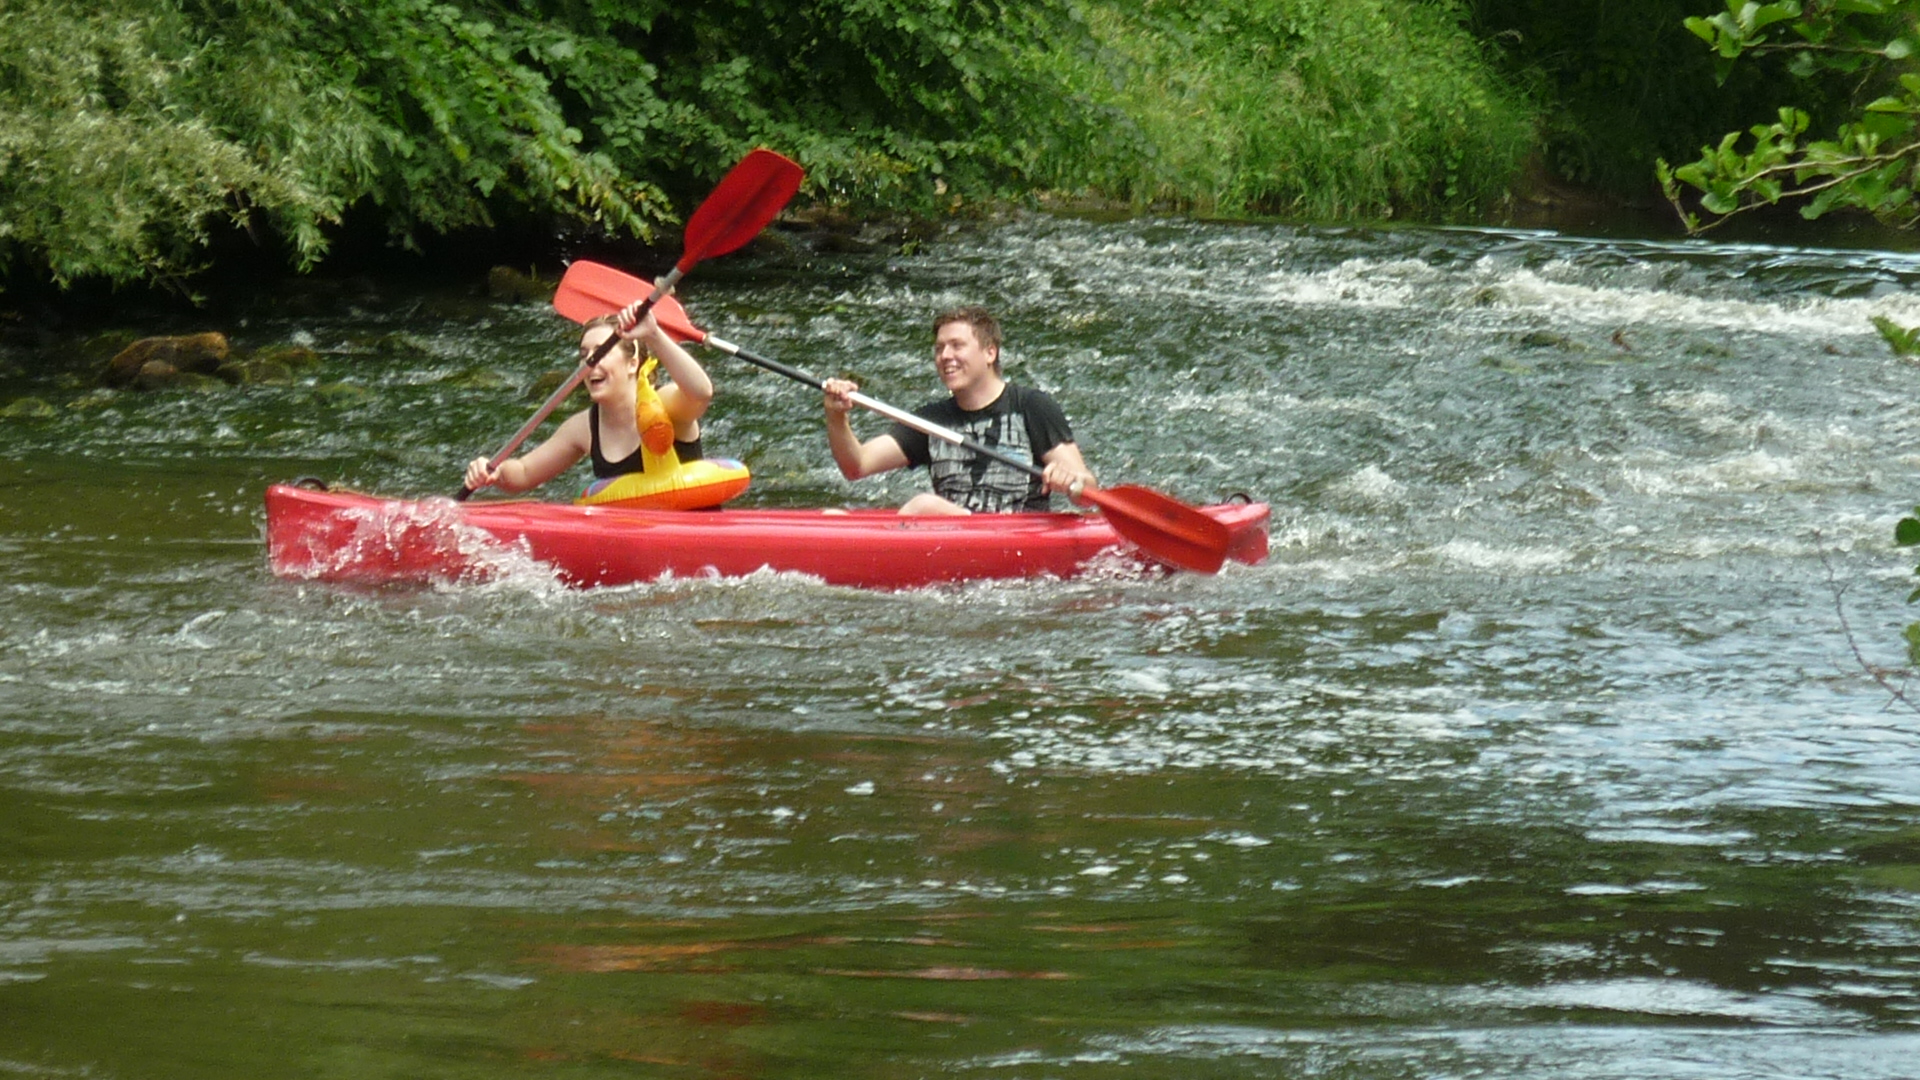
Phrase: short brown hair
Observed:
(985, 327)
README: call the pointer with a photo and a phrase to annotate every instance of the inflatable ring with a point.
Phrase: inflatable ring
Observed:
(693, 485)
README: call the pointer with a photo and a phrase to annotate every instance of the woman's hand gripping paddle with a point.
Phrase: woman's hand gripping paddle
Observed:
(746, 199)
(1162, 526)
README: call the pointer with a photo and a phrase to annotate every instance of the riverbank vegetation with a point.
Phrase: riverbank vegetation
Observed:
(142, 140)
(1317, 111)
(1869, 161)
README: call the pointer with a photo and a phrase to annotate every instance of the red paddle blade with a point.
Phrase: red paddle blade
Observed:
(1163, 527)
(589, 290)
(748, 197)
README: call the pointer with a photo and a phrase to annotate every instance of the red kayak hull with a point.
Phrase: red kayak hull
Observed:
(345, 537)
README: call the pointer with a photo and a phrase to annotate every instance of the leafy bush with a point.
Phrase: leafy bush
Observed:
(1868, 163)
(1318, 109)
(130, 130)
(133, 132)
(888, 103)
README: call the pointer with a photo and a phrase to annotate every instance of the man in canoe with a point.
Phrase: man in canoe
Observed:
(1019, 421)
(623, 415)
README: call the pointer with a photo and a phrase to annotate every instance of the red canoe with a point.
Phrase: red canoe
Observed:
(338, 536)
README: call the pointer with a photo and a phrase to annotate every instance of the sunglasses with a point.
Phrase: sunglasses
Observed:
(587, 351)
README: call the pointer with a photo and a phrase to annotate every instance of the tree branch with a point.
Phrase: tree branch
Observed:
(1867, 164)
(1879, 675)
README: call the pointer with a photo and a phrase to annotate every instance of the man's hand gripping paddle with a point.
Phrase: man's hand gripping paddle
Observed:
(1162, 526)
(746, 200)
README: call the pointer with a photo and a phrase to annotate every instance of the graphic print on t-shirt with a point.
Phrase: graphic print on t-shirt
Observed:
(977, 482)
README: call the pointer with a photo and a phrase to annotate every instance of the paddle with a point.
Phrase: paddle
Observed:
(742, 204)
(1160, 525)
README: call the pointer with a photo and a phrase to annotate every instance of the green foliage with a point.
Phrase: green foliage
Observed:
(1628, 85)
(98, 171)
(1739, 27)
(1906, 533)
(131, 131)
(1868, 163)
(1318, 109)
(888, 103)
(1905, 340)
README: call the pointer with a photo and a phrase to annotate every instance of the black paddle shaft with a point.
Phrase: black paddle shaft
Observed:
(599, 353)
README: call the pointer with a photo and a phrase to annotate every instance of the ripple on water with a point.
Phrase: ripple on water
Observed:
(1578, 1051)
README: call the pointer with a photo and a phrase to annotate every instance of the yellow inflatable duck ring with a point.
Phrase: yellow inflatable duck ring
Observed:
(665, 482)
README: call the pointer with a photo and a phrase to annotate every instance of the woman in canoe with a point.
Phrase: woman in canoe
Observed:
(985, 407)
(626, 423)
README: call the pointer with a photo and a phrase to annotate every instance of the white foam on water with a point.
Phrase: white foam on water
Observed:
(1477, 555)
(1500, 289)
(1715, 413)
(46, 645)
(397, 533)
(1661, 997)
(1355, 283)
(1369, 487)
(1756, 471)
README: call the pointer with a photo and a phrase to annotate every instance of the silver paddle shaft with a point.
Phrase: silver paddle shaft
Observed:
(901, 416)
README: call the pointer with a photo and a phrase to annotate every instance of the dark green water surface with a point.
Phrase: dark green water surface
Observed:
(1537, 749)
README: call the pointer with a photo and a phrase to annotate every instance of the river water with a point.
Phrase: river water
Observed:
(1537, 748)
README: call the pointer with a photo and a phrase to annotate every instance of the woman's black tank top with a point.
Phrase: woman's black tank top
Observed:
(634, 462)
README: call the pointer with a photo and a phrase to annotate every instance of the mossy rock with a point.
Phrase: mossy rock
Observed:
(454, 307)
(107, 344)
(294, 357)
(818, 216)
(1501, 363)
(402, 344)
(158, 375)
(343, 394)
(513, 286)
(1719, 350)
(1548, 339)
(772, 243)
(97, 399)
(200, 354)
(477, 378)
(254, 372)
(838, 243)
(544, 386)
(154, 375)
(27, 408)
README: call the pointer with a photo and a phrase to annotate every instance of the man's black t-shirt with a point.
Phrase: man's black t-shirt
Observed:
(1022, 423)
